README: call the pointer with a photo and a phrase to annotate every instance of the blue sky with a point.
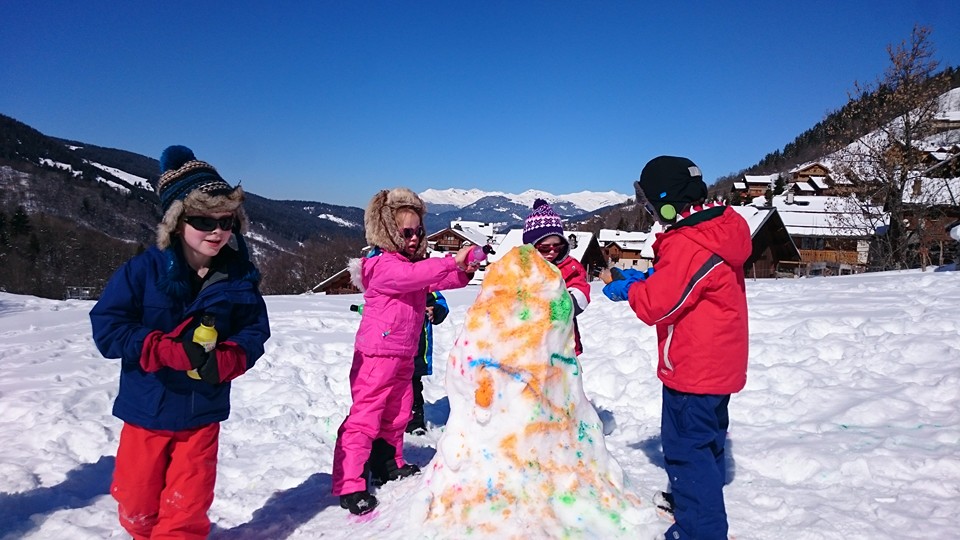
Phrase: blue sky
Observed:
(331, 101)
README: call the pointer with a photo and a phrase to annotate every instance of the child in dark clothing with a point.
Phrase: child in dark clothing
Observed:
(173, 392)
(436, 313)
(696, 298)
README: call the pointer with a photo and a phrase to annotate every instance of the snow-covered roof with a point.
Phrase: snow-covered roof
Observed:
(484, 228)
(818, 182)
(949, 109)
(933, 191)
(629, 240)
(760, 179)
(808, 165)
(804, 187)
(739, 185)
(473, 235)
(822, 216)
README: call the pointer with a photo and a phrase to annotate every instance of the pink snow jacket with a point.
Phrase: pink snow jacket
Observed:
(395, 297)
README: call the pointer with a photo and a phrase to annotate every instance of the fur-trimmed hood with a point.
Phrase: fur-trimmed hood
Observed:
(380, 220)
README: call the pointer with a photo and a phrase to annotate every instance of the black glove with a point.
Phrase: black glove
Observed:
(204, 361)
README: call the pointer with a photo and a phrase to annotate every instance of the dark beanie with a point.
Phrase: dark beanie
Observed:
(542, 223)
(182, 173)
(672, 180)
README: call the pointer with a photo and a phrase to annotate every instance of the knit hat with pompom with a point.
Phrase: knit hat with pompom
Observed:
(541, 223)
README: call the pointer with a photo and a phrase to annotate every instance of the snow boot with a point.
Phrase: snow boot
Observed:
(397, 473)
(383, 465)
(416, 426)
(358, 503)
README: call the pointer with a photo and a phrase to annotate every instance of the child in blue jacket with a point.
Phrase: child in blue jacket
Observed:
(173, 392)
(437, 311)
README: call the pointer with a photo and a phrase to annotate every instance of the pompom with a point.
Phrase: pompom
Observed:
(538, 203)
(175, 157)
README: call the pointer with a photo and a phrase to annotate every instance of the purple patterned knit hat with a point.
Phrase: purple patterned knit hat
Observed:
(542, 223)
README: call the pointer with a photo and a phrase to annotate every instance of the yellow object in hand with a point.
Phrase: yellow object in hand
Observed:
(206, 336)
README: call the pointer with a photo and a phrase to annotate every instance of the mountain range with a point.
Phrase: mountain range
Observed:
(107, 196)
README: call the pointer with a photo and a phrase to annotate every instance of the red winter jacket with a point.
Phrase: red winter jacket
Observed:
(696, 298)
(575, 278)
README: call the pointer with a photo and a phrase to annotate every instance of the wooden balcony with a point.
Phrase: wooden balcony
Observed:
(831, 256)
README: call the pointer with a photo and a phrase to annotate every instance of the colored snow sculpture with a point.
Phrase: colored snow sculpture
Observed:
(523, 454)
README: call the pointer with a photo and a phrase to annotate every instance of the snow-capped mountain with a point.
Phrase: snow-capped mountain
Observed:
(508, 210)
(587, 201)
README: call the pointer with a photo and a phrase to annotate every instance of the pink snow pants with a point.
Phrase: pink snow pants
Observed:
(382, 404)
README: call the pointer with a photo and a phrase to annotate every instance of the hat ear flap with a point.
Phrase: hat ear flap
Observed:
(376, 221)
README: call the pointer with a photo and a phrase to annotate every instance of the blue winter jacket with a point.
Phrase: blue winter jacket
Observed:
(152, 292)
(423, 361)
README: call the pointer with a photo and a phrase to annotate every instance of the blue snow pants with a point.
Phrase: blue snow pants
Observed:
(693, 432)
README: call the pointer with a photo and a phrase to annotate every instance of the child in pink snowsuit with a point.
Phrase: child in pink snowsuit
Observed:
(395, 279)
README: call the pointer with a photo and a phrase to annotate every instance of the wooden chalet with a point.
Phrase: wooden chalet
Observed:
(811, 179)
(751, 185)
(338, 283)
(830, 239)
(931, 206)
(815, 179)
(773, 254)
(460, 234)
(622, 249)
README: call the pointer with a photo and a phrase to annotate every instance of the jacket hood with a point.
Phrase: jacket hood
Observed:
(726, 234)
(380, 220)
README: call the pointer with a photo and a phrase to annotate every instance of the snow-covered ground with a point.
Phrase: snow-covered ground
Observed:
(849, 426)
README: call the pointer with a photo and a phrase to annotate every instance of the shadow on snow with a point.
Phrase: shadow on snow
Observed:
(82, 485)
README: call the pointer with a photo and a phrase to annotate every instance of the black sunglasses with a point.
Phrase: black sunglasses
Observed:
(410, 232)
(209, 224)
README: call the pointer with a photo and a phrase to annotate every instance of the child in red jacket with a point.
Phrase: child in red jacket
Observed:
(697, 301)
(544, 229)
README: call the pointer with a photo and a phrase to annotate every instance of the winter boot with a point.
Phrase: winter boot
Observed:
(417, 426)
(358, 503)
(383, 464)
(396, 473)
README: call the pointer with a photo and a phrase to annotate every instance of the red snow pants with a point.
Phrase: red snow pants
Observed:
(163, 481)
(382, 406)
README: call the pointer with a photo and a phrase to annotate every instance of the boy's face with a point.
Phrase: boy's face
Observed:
(205, 235)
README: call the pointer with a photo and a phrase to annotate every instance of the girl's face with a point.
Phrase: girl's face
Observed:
(410, 230)
(204, 235)
(550, 247)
